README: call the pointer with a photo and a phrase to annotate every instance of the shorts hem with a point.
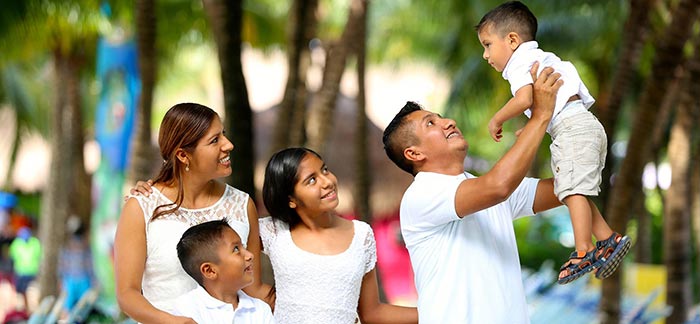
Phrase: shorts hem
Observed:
(567, 193)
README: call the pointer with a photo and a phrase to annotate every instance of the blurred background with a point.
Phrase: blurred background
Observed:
(84, 85)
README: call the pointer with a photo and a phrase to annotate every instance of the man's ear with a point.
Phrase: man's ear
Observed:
(514, 40)
(412, 154)
(208, 270)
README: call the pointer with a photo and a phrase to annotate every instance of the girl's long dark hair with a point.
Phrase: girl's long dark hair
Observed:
(281, 175)
(182, 127)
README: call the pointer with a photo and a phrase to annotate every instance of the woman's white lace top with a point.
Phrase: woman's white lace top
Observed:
(163, 276)
(314, 288)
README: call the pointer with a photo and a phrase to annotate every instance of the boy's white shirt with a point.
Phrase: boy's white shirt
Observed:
(198, 305)
(467, 270)
(517, 72)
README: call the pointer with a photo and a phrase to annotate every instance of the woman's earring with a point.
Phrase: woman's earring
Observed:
(187, 167)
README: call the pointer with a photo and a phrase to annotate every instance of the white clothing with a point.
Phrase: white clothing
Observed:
(314, 288)
(467, 270)
(163, 276)
(198, 305)
(517, 72)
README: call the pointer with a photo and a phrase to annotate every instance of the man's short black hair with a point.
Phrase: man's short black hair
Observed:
(398, 136)
(200, 244)
(512, 16)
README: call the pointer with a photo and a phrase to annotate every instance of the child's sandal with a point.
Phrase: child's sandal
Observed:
(610, 253)
(587, 262)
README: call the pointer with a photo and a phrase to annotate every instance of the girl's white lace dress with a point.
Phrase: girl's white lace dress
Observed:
(163, 276)
(314, 288)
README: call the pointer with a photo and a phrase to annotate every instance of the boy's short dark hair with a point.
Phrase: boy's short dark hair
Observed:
(398, 136)
(512, 16)
(200, 244)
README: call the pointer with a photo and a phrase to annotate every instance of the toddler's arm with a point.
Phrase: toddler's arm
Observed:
(514, 107)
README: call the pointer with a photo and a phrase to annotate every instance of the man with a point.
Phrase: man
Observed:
(458, 228)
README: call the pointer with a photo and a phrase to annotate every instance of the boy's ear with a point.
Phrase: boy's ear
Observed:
(208, 270)
(514, 40)
(412, 154)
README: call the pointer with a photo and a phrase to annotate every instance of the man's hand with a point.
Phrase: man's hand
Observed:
(496, 130)
(545, 88)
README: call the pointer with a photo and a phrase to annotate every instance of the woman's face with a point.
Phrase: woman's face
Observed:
(210, 157)
(316, 190)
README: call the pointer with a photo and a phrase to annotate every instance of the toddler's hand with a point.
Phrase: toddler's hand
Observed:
(496, 130)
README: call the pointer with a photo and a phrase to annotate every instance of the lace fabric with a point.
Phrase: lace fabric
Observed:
(314, 288)
(163, 276)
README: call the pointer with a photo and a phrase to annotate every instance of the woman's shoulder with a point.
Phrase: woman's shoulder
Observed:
(233, 191)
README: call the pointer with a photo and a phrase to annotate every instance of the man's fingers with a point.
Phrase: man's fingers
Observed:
(533, 71)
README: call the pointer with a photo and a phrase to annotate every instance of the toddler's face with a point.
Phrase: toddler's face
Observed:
(497, 49)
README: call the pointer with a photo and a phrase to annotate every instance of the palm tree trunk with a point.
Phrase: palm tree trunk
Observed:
(56, 208)
(677, 231)
(695, 191)
(320, 120)
(643, 244)
(226, 19)
(143, 152)
(301, 26)
(635, 33)
(677, 226)
(362, 189)
(666, 59)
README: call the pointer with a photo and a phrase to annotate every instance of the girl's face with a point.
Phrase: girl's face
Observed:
(211, 156)
(316, 190)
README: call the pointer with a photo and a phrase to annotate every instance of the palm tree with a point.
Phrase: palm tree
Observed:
(225, 18)
(320, 120)
(677, 222)
(676, 215)
(636, 30)
(666, 59)
(142, 149)
(362, 185)
(301, 28)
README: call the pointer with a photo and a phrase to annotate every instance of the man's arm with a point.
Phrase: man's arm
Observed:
(544, 196)
(496, 185)
(514, 107)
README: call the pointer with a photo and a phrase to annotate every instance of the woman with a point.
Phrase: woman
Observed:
(186, 192)
(324, 265)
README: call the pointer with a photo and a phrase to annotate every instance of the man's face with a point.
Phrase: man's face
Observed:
(438, 137)
(497, 49)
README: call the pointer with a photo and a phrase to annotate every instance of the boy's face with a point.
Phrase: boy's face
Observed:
(497, 49)
(235, 262)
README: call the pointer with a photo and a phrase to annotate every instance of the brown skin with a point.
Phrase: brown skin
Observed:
(442, 149)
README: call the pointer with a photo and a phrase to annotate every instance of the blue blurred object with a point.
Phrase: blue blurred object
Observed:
(7, 200)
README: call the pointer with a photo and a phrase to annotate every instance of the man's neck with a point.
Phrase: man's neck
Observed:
(452, 169)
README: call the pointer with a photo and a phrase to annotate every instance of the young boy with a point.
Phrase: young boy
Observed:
(213, 255)
(579, 144)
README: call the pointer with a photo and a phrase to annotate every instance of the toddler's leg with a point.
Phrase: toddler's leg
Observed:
(581, 220)
(601, 229)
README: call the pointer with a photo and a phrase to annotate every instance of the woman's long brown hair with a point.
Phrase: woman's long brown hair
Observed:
(182, 127)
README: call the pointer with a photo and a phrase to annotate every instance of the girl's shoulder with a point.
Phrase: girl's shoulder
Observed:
(270, 227)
